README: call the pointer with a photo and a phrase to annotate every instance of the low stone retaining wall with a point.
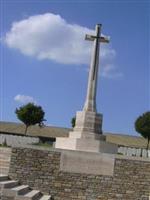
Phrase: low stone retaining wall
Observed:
(15, 140)
(41, 169)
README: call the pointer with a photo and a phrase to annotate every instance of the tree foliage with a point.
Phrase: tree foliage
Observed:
(30, 114)
(73, 122)
(142, 126)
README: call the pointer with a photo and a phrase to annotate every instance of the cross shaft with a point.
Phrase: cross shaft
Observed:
(90, 103)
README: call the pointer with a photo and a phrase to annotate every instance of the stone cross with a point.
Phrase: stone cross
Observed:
(87, 134)
(90, 103)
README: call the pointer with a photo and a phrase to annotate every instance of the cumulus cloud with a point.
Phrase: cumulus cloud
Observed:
(49, 36)
(24, 99)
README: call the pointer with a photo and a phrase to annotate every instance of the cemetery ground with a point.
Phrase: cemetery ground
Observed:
(46, 171)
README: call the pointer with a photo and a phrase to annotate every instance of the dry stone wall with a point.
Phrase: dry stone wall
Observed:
(41, 170)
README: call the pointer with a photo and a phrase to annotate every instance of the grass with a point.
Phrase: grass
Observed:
(40, 144)
(3, 145)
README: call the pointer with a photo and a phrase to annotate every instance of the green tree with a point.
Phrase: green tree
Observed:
(142, 126)
(73, 122)
(30, 114)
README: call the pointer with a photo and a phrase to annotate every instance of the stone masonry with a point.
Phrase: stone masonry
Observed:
(40, 169)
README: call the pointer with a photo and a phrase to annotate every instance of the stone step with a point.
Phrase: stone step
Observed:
(4, 165)
(5, 150)
(5, 156)
(8, 184)
(32, 195)
(12, 189)
(2, 155)
(3, 177)
(45, 197)
(19, 190)
(4, 162)
(4, 170)
(4, 159)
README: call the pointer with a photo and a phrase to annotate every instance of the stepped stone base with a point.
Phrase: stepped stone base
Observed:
(87, 135)
(87, 121)
(85, 144)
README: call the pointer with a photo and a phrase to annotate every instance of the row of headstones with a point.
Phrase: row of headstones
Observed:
(13, 140)
(134, 152)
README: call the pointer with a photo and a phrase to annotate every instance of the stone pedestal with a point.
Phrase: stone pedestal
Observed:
(87, 135)
(88, 122)
(84, 144)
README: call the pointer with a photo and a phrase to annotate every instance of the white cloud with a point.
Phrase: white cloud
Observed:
(110, 71)
(49, 36)
(24, 99)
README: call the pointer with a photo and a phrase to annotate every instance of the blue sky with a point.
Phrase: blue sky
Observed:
(45, 59)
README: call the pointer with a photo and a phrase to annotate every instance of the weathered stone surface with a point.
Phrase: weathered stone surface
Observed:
(86, 144)
(87, 121)
(87, 162)
(5, 154)
(41, 170)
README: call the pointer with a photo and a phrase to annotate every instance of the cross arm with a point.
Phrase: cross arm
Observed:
(89, 37)
(104, 39)
(92, 38)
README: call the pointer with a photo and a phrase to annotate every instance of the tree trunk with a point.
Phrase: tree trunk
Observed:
(148, 144)
(26, 130)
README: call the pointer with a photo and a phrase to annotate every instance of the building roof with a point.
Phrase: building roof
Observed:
(53, 132)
